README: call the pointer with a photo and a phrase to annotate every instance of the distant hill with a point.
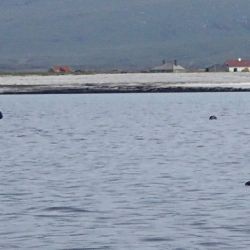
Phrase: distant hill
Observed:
(119, 33)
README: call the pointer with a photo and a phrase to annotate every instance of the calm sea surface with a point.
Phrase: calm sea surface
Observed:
(132, 171)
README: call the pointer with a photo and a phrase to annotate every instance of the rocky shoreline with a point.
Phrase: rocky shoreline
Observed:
(103, 90)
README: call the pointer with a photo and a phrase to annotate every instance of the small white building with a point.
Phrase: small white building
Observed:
(238, 65)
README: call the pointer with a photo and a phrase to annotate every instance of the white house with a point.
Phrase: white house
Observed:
(238, 65)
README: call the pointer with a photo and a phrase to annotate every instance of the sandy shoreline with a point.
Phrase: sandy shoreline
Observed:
(125, 83)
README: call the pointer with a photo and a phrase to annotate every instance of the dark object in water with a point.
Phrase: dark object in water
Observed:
(247, 183)
(1, 115)
(212, 117)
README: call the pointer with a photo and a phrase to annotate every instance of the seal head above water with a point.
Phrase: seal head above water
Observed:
(212, 117)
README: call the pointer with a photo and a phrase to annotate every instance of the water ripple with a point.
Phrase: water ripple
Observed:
(67, 210)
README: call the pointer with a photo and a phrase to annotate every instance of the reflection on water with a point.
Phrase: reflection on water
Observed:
(134, 171)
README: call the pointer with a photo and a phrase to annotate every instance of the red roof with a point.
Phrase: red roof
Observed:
(238, 63)
(61, 69)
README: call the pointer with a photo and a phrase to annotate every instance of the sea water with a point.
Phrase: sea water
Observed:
(125, 171)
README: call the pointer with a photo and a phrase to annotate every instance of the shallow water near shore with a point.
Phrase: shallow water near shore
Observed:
(125, 171)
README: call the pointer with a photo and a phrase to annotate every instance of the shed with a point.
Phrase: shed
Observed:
(217, 68)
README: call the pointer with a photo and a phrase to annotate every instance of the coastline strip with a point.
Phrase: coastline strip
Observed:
(126, 83)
